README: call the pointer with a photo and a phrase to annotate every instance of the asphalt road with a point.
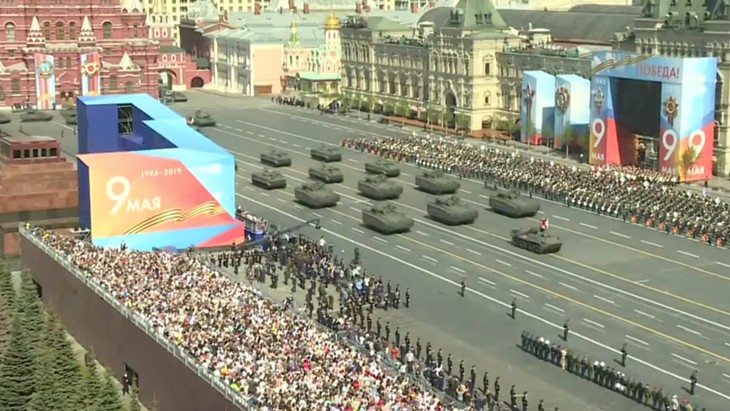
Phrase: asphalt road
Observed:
(616, 282)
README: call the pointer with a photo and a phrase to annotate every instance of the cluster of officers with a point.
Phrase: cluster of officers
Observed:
(603, 375)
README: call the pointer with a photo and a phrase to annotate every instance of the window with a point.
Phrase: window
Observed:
(486, 100)
(47, 30)
(15, 85)
(106, 29)
(113, 83)
(11, 53)
(35, 153)
(26, 153)
(44, 152)
(16, 154)
(72, 30)
(60, 63)
(9, 31)
(53, 152)
(487, 69)
(125, 121)
(60, 31)
(135, 31)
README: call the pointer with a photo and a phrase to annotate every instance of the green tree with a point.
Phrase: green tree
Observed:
(448, 117)
(433, 114)
(134, 404)
(463, 121)
(109, 399)
(389, 107)
(65, 366)
(31, 311)
(5, 325)
(7, 290)
(345, 100)
(91, 387)
(46, 397)
(402, 108)
(17, 369)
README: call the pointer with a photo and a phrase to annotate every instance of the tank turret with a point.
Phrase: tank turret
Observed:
(379, 187)
(327, 173)
(451, 211)
(383, 166)
(268, 179)
(385, 218)
(275, 158)
(512, 203)
(316, 195)
(202, 119)
(536, 240)
(436, 182)
(325, 153)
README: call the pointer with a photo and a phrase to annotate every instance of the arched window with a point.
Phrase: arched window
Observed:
(106, 30)
(113, 83)
(128, 87)
(47, 30)
(60, 31)
(135, 31)
(72, 30)
(9, 31)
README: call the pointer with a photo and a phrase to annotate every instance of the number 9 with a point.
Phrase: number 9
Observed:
(669, 146)
(599, 130)
(118, 196)
(697, 147)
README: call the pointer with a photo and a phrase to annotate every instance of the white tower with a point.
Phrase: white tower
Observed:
(162, 27)
(332, 27)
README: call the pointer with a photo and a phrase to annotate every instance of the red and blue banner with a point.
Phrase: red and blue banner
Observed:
(91, 74)
(537, 113)
(45, 81)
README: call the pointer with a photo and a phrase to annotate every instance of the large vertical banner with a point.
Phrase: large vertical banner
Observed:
(572, 111)
(669, 128)
(538, 107)
(603, 125)
(45, 81)
(91, 74)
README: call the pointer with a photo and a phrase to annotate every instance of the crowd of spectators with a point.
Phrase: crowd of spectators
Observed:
(279, 360)
(643, 196)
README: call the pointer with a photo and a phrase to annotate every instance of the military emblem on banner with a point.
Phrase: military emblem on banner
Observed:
(671, 109)
(562, 99)
(90, 69)
(45, 70)
(598, 100)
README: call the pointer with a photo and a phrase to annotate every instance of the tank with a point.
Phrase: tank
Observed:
(268, 179)
(436, 182)
(34, 115)
(451, 211)
(4, 119)
(202, 119)
(513, 204)
(383, 166)
(385, 218)
(177, 96)
(316, 195)
(326, 173)
(379, 188)
(327, 154)
(70, 115)
(537, 241)
(275, 158)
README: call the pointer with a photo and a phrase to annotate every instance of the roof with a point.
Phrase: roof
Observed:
(171, 49)
(203, 10)
(476, 15)
(606, 9)
(314, 19)
(313, 76)
(566, 25)
(380, 23)
(309, 37)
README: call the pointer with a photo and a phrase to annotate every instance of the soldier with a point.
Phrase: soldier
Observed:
(397, 337)
(513, 306)
(496, 389)
(449, 364)
(472, 378)
(408, 341)
(463, 287)
(387, 331)
(418, 348)
(524, 401)
(439, 358)
(485, 382)
(624, 354)
(692, 382)
(566, 330)
(396, 299)
(540, 406)
(370, 323)
(408, 298)
(461, 371)
(378, 328)
(512, 397)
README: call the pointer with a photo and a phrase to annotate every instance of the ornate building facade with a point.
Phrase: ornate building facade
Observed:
(51, 54)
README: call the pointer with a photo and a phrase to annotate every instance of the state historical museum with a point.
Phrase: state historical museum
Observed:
(53, 51)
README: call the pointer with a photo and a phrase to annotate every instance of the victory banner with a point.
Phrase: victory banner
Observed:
(91, 74)
(45, 81)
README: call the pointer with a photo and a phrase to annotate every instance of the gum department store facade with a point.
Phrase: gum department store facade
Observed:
(465, 62)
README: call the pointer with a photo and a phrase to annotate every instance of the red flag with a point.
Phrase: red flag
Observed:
(544, 224)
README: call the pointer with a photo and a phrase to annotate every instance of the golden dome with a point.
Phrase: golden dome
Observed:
(332, 22)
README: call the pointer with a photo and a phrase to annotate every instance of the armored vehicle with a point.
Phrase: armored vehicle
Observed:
(4, 119)
(535, 240)
(326, 153)
(436, 182)
(34, 115)
(379, 188)
(383, 166)
(316, 195)
(513, 204)
(71, 115)
(326, 173)
(386, 219)
(176, 96)
(268, 179)
(202, 119)
(451, 211)
(276, 158)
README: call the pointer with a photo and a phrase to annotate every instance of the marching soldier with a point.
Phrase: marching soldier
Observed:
(624, 354)
(408, 298)
(397, 337)
(370, 323)
(378, 328)
(514, 307)
(472, 377)
(387, 331)
(463, 287)
(418, 348)
(512, 397)
(449, 364)
(524, 401)
(566, 330)
(408, 341)
(496, 389)
(461, 371)
(692, 382)
(485, 382)
(439, 358)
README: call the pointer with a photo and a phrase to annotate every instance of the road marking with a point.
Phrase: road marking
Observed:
(643, 281)
(594, 323)
(466, 191)
(317, 215)
(519, 293)
(724, 264)
(355, 209)
(568, 286)
(554, 307)
(540, 212)
(679, 357)
(503, 262)
(336, 222)
(725, 375)
(604, 299)
(637, 340)
(405, 174)
(249, 188)
(249, 132)
(297, 206)
(357, 230)
(561, 218)
(689, 330)
(421, 233)
(484, 197)
(283, 142)
(400, 247)
(447, 242)
(534, 274)
(457, 269)
(589, 226)
(382, 240)
(260, 135)
(486, 281)
(281, 200)
(652, 244)
(352, 160)
(433, 260)
(473, 251)
(229, 127)
(645, 314)
(239, 130)
(296, 145)
(620, 235)
(265, 194)
(688, 254)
